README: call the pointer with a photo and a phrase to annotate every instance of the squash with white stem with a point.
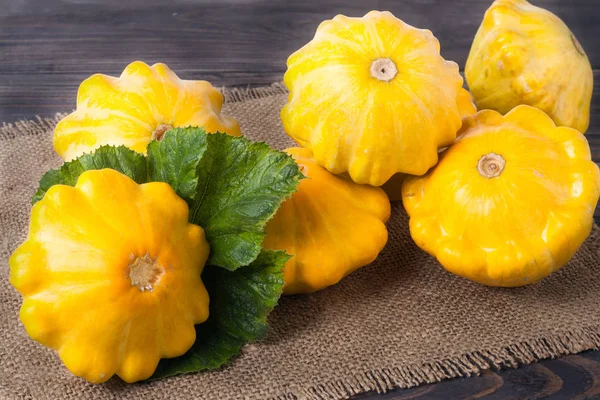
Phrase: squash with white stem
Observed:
(372, 97)
(510, 202)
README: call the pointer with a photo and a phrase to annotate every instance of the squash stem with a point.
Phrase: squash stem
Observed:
(383, 69)
(145, 273)
(491, 165)
(160, 131)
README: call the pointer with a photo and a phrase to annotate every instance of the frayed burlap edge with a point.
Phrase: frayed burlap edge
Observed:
(386, 379)
(39, 126)
(464, 366)
(237, 94)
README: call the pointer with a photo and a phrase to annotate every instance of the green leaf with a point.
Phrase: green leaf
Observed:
(240, 186)
(118, 158)
(240, 302)
(175, 159)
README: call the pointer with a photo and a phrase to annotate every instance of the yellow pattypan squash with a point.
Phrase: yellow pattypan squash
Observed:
(372, 96)
(140, 105)
(510, 202)
(524, 54)
(110, 275)
(331, 225)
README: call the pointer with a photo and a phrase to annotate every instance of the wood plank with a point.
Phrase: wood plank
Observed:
(48, 47)
(216, 35)
(569, 377)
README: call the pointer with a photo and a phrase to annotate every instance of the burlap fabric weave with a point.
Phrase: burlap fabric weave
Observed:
(399, 322)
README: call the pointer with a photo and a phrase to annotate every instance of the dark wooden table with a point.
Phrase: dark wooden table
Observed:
(47, 47)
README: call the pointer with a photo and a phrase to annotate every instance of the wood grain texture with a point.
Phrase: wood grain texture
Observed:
(47, 47)
(571, 377)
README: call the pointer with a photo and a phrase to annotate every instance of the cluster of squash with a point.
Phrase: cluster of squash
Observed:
(503, 196)
(501, 200)
(111, 271)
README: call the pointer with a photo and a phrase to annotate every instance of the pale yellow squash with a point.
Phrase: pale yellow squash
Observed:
(372, 97)
(524, 54)
(140, 105)
(510, 202)
(110, 275)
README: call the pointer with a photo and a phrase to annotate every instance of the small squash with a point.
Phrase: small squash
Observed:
(110, 275)
(140, 105)
(510, 202)
(372, 96)
(524, 54)
(331, 225)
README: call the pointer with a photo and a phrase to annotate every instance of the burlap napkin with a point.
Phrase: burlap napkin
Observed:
(399, 322)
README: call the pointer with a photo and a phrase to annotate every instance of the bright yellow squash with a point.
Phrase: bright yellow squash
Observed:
(331, 225)
(524, 54)
(372, 96)
(510, 202)
(110, 275)
(140, 105)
